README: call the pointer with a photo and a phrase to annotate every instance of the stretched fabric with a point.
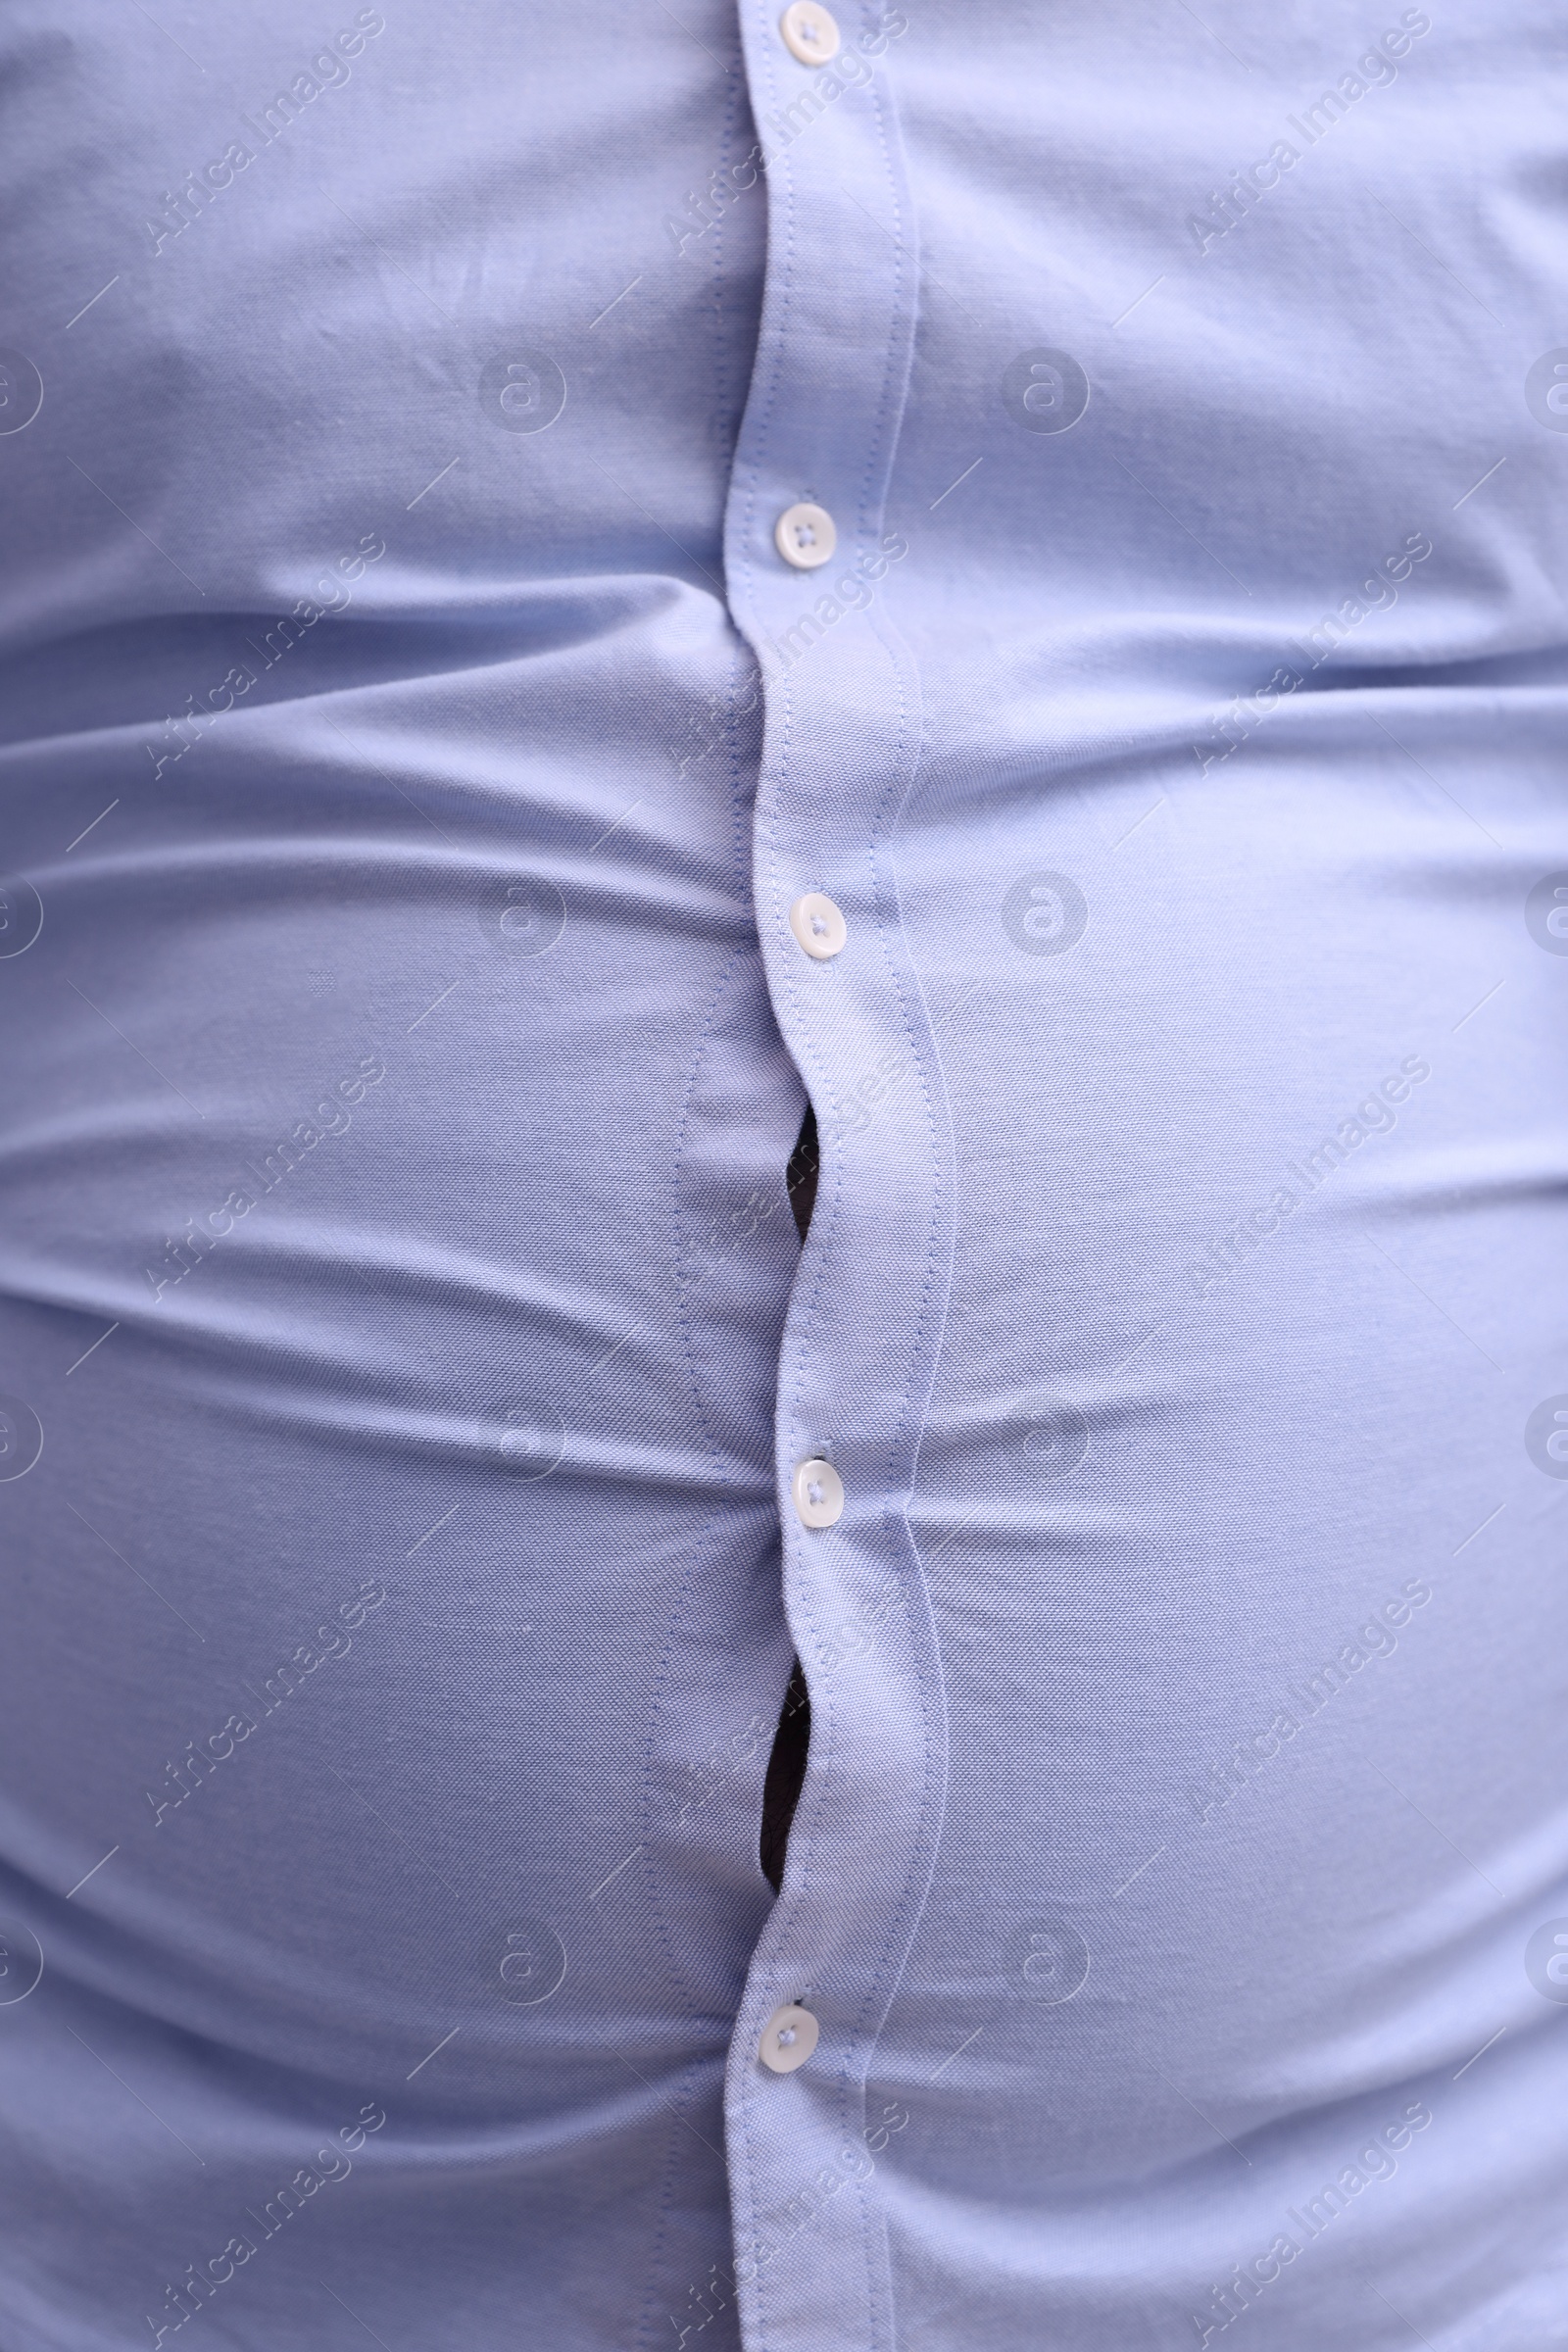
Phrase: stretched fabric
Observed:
(416, 742)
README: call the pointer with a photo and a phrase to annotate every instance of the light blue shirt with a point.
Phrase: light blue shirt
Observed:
(416, 745)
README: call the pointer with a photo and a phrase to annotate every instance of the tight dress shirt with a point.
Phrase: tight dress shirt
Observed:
(419, 726)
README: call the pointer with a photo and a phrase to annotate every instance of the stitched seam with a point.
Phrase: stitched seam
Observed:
(659, 1714)
(666, 2190)
(774, 350)
(901, 1927)
(888, 372)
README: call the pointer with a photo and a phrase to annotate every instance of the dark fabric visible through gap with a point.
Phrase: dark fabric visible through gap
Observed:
(786, 1766)
(786, 1770)
(799, 1177)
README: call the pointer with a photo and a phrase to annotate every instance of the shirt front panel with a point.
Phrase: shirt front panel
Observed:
(395, 1247)
(1230, 494)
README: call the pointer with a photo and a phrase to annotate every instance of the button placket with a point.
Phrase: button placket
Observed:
(842, 728)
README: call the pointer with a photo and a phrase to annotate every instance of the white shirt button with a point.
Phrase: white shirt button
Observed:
(805, 536)
(810, 33)
(817, 1493)
(789, 2037)
(818, 925)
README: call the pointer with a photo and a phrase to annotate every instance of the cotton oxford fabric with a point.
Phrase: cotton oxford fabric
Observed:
(414, 746)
